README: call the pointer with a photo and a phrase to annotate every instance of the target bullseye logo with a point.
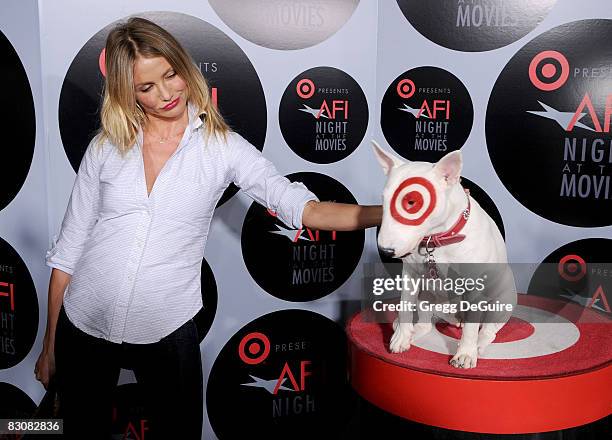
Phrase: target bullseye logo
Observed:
(426, 113)
(258, 347)
(405, 88)
(413, 201)
(550, 109)
(549, 70)
(305, 88)
(572, 267)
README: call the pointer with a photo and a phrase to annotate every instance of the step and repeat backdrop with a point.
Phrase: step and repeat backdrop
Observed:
(523, 88)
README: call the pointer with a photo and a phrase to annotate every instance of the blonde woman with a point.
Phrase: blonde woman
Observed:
(126, 265)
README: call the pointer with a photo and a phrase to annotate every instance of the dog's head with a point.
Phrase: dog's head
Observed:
(415, 199)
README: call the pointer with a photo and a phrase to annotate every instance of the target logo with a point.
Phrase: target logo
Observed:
(305, 88)
(230, 74)
(413, 201)
(323, 115)
(405, 88)
(285, 373)
(551, 120)
(426, 113)
(254, 348)
(549, 70)
(572, 267)
(579, 272)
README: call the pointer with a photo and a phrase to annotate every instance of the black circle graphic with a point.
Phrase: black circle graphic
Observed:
(17, 116)
(323, 115)
(299, 391)
(205, 317)
(302, 264)
(426, 113)
(15, 404)
(546, 127)
(285, 24)
(483, 200)
(230, 74)
(475, 25)
(577, 271)
(18, 307)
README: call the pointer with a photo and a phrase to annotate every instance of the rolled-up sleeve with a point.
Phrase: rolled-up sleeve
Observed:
(259, 179)
(81, 214)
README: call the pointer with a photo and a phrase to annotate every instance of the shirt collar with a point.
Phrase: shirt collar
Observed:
(194, 117)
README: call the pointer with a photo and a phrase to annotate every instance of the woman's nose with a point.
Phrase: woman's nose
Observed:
(164, 93)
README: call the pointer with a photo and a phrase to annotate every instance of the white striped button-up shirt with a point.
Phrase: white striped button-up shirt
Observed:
(135, 259)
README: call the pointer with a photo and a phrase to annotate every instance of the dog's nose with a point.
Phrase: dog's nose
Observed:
(387, 252)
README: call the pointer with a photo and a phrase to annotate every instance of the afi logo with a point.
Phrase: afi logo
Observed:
(587, 103)
(8, 290)
(337, 106)
(303, 373)
(432, 110)
(133, 433)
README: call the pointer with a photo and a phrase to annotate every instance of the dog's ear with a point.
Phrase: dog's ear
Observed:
(386, 159)
(449, 167)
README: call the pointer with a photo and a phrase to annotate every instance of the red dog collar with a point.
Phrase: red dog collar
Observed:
(451, 236)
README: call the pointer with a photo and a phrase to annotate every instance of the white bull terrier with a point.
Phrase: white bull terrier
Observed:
(429, 219)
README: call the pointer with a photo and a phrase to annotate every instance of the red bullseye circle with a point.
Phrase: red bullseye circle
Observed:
(305, 88)
(548, 70)
(577, 265)
(262, 339)
(405, 88)
(412, 201)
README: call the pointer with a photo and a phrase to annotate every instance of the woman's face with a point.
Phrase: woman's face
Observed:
(159, 90)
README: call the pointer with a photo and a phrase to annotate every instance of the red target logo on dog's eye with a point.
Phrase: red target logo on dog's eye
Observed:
(413, 201)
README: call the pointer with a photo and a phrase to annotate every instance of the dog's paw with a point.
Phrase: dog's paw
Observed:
(484, 340)
(400, 341)
(421, 329)
(466, 358)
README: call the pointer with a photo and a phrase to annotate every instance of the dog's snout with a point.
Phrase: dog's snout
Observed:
(387, 252)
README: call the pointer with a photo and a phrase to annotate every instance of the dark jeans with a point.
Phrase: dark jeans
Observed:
(169, 372)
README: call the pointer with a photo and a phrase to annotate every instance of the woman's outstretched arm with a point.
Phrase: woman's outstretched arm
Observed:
(331, 216)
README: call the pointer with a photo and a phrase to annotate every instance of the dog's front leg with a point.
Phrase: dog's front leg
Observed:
(467, 352)
(403, 328)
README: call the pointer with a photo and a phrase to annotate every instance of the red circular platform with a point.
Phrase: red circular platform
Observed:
(569, 385)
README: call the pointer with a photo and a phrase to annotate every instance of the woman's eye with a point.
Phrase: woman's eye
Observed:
(172, 75)
(145, 90)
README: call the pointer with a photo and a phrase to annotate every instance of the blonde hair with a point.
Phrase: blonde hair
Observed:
(121, 116)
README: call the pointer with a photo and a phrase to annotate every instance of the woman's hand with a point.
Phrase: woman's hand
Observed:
(331, 216)
(45, 367)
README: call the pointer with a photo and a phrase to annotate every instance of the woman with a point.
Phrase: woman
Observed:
(132, 239)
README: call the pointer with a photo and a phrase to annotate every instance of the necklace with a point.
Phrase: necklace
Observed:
(164, 139)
